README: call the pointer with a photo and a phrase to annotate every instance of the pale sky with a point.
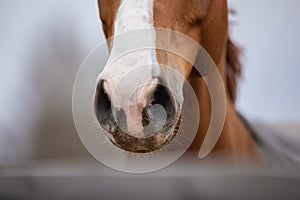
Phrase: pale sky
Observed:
(269, 32)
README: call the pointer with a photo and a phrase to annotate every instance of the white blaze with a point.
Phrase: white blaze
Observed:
(132, 73)
(134, 14)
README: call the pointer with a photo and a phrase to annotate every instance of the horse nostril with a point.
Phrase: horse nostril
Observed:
(163, 96)
(160, 108)
(103, 110)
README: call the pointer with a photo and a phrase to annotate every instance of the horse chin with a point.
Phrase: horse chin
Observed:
(153, 143)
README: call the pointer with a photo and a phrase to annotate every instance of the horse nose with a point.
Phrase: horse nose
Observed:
(103, 109)
(159, 103)
(145, 111)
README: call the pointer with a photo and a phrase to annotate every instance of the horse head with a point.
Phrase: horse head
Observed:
(138, 101)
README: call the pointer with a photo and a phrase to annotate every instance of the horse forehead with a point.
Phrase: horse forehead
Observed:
(134, 14)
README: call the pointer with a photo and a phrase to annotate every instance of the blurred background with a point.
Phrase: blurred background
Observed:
(43, 43)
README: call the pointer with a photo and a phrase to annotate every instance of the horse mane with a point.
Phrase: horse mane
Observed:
(233, 68)
(233, 65)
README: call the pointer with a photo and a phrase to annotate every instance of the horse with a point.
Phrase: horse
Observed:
(206, 22)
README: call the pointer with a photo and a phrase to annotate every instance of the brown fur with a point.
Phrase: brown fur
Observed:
(206, 21)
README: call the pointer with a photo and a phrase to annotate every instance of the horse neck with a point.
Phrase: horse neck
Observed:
(235, 140)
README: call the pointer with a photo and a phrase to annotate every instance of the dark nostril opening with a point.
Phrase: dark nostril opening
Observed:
(103, 109)
(163, 97)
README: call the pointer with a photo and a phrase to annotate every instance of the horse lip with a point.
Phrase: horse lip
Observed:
(130, 144)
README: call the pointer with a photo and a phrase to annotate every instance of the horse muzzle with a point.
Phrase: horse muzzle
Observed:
(144, 121)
